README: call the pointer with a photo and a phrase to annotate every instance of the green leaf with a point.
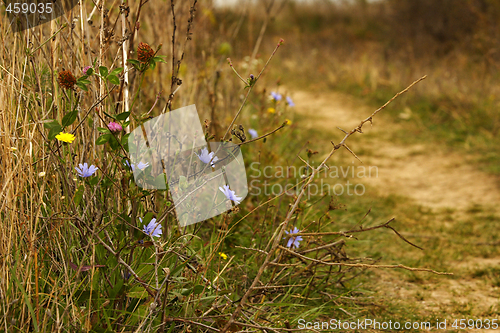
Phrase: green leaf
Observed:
(82, 296)
(159, 59)
(54, 131)
(178, 269)
(51, 123)
(103, 139)
(186, 292)
(83, 80)
(125, 141)
(69, 118)
(152, 64)
(138, 292)
(103, 130)
(26, 299)
(103, 71)
(77, 198)
(118, 286)
(137, 65)
(82, 86)
(160, 182)
(171, 329)
(93, 180)
(114, 79)
(123, 116)
(110, 116)
(90, 71)
(134, 62)
(116, 71)
(114, 143)
(198, 289)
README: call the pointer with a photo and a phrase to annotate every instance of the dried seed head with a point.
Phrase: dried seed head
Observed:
(66, 80)
(144, 52)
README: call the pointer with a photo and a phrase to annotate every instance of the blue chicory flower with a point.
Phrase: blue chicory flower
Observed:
(253, 133)
(275, 96)
(289, 101)
(153, 228)
(205, 157)
(293, 241)
(85, 170)
(141, 165)
(230, 195)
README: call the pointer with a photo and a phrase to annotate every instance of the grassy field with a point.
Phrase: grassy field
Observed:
(74, 253)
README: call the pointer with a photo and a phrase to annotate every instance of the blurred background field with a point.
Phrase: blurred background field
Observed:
(435, 148)
(372, 49)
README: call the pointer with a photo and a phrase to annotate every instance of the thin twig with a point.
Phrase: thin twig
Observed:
(328, 263)
(251, 88)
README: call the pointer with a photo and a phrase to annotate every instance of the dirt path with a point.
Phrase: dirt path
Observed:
(430, 175)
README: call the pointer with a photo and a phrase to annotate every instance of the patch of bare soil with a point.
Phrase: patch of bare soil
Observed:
(430, 175)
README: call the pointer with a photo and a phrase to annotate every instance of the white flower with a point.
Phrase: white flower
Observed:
(205, 157)
(230, 195)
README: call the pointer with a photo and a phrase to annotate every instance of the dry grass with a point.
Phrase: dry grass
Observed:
(72, 254)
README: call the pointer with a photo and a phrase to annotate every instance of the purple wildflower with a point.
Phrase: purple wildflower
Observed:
(141, 165)
(85, 69)
(86, 171)
(115, 127)
(289, 101)
(153, 229)
(275, 96)
(253, 133)
(293, 241)
(230, 195)
(131, 166)
(205, 157)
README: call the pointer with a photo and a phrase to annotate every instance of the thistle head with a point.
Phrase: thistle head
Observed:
(144, 52)
(66, 80)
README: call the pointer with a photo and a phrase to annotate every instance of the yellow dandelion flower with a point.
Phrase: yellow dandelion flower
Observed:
(65, 137)
(271, 110)
(288, 121)
(223, 255)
